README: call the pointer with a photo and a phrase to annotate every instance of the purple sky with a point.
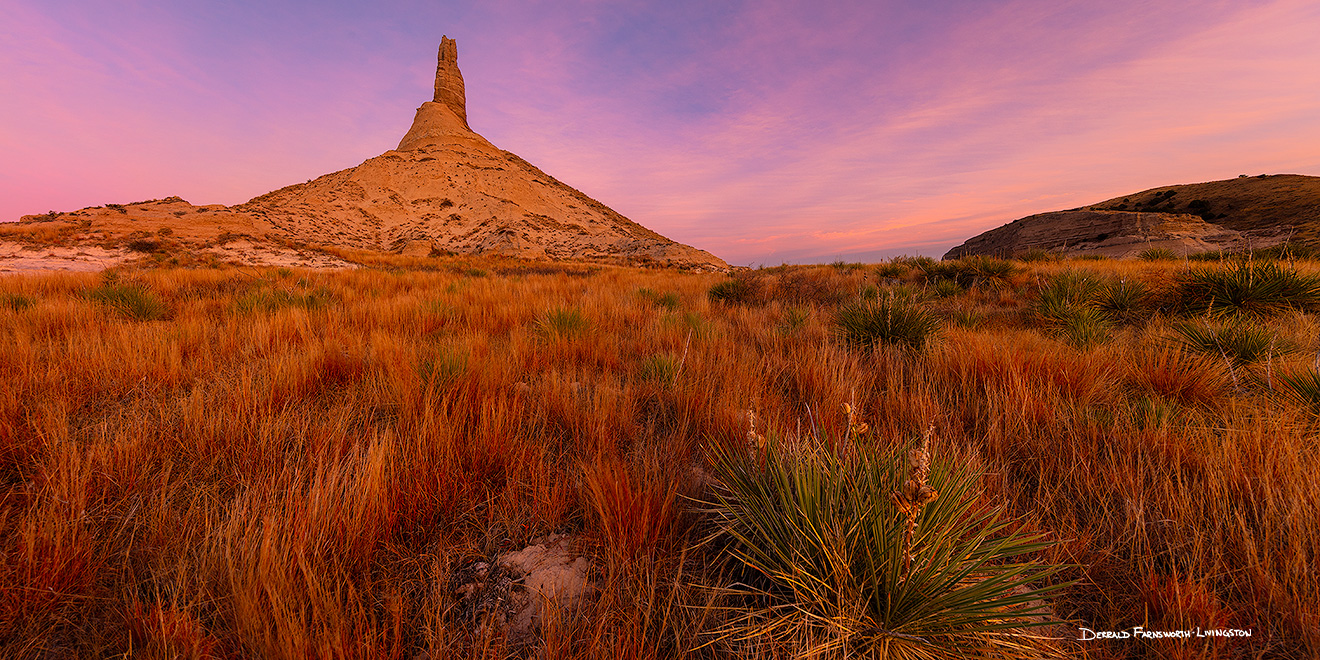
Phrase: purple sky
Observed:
(765, 132)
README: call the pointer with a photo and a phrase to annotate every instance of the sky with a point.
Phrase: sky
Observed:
(766, 131)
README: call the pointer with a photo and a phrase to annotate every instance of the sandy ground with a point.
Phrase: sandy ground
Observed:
(19, 258)
(246, 253)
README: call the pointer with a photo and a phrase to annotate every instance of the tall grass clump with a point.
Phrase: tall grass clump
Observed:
(1253, 288)
(873, 556)
(129, 300)
(562, 322)
(890, 320)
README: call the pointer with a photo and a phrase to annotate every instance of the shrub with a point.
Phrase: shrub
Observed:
(810, 287)
(989, 268)
(795, 318)
(970, 271)
(919, 263)
(855, 558)
(966, 318)
(144, 245)
(1240, 342)
(847, 266)
(129, 300)
(1157, 254)
(891, 320)
(1257, 289)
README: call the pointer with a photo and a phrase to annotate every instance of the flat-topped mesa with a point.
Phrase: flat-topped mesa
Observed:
(449, 80)
(444, 118)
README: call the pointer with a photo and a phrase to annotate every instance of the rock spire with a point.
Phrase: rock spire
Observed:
(449, 80)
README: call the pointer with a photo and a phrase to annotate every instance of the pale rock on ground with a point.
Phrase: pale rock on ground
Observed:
(20, 258)
(515, 592)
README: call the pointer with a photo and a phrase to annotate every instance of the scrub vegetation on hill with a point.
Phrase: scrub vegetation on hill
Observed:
(905, 460)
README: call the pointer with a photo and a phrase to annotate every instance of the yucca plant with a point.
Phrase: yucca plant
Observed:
(894, 319)
(1239, 342)
(873, 556)
(1123, 301)
(1068, 304)
(947, 288)
(1304, 388)
(1252, 288)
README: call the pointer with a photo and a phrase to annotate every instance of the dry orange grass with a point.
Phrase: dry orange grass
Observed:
(289, 463)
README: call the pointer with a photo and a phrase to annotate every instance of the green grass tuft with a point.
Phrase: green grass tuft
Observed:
(129, 300)
(16, 301)
(563, 322)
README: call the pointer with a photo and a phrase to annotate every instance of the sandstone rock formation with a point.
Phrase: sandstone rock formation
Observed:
(1233, 215)
(449, 80)
(445, 188)
(1109, 233)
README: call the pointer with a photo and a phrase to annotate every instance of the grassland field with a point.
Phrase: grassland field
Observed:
(226, 462)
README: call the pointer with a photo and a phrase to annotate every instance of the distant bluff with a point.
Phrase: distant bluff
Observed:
(445, 188)
(1234, 214)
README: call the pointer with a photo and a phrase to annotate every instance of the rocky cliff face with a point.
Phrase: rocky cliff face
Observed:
(444, 188)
